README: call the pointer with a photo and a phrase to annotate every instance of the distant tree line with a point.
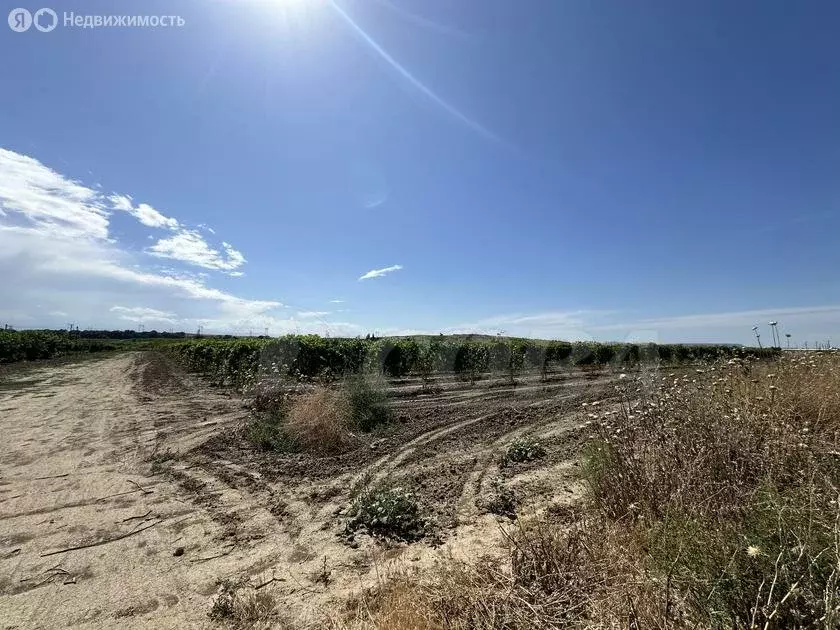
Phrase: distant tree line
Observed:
(127, 334)
(32, 345)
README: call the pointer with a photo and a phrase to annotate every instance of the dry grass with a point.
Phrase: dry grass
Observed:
(319, 421)
(729, 479)
(705, 443)
(235, 608)
(324, 420)
(713, 504)
(542, 586)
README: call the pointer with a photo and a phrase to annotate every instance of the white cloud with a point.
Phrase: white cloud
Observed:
(186, 245)
(57, 256)
(312, 314)
(121, 202)
(377, 273)
(32, 194)
(142, 212)
(281, 326)
(234, 257)
(151, 217)
(143, 314)
(189, 246)
(337, 301)
(66, 260)
(553, 318)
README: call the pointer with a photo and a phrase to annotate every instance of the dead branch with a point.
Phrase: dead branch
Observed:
(53, 573)
(274, 579)
(218, 555)
(117, 494)
(131, 518)
(101, 542)
(51, 477)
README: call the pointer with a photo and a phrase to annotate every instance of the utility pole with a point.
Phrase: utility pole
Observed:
(788, 340)
(776, 342)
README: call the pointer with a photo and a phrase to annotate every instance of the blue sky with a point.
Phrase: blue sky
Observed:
(578, 169)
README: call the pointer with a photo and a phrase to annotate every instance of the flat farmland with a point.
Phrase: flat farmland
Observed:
(128, 489)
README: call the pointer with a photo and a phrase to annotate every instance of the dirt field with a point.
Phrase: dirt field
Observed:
(126, 493)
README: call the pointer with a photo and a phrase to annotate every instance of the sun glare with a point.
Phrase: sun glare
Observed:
(294, 12)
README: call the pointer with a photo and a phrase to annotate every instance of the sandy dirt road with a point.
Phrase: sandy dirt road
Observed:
(114, 513)
(74, 445)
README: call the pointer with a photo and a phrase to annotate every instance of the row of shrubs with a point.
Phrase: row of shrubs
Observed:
(237, 362)
(31, 345)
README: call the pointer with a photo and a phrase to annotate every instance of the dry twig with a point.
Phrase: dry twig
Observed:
(101, 542)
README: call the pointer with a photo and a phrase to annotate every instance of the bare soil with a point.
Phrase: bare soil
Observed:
(127, 491)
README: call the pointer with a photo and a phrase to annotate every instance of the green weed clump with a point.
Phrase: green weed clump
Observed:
(501, 501)
(386, 512)
(367, 403)
(523, 449)
(267, 432)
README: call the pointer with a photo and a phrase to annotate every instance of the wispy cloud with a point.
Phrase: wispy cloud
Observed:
(143, 314)
(143, 212)
(803, 322)
(189, 246)
(378, 273)
(548, 325)
(730, 319)
(337, 301)
(312, 314)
